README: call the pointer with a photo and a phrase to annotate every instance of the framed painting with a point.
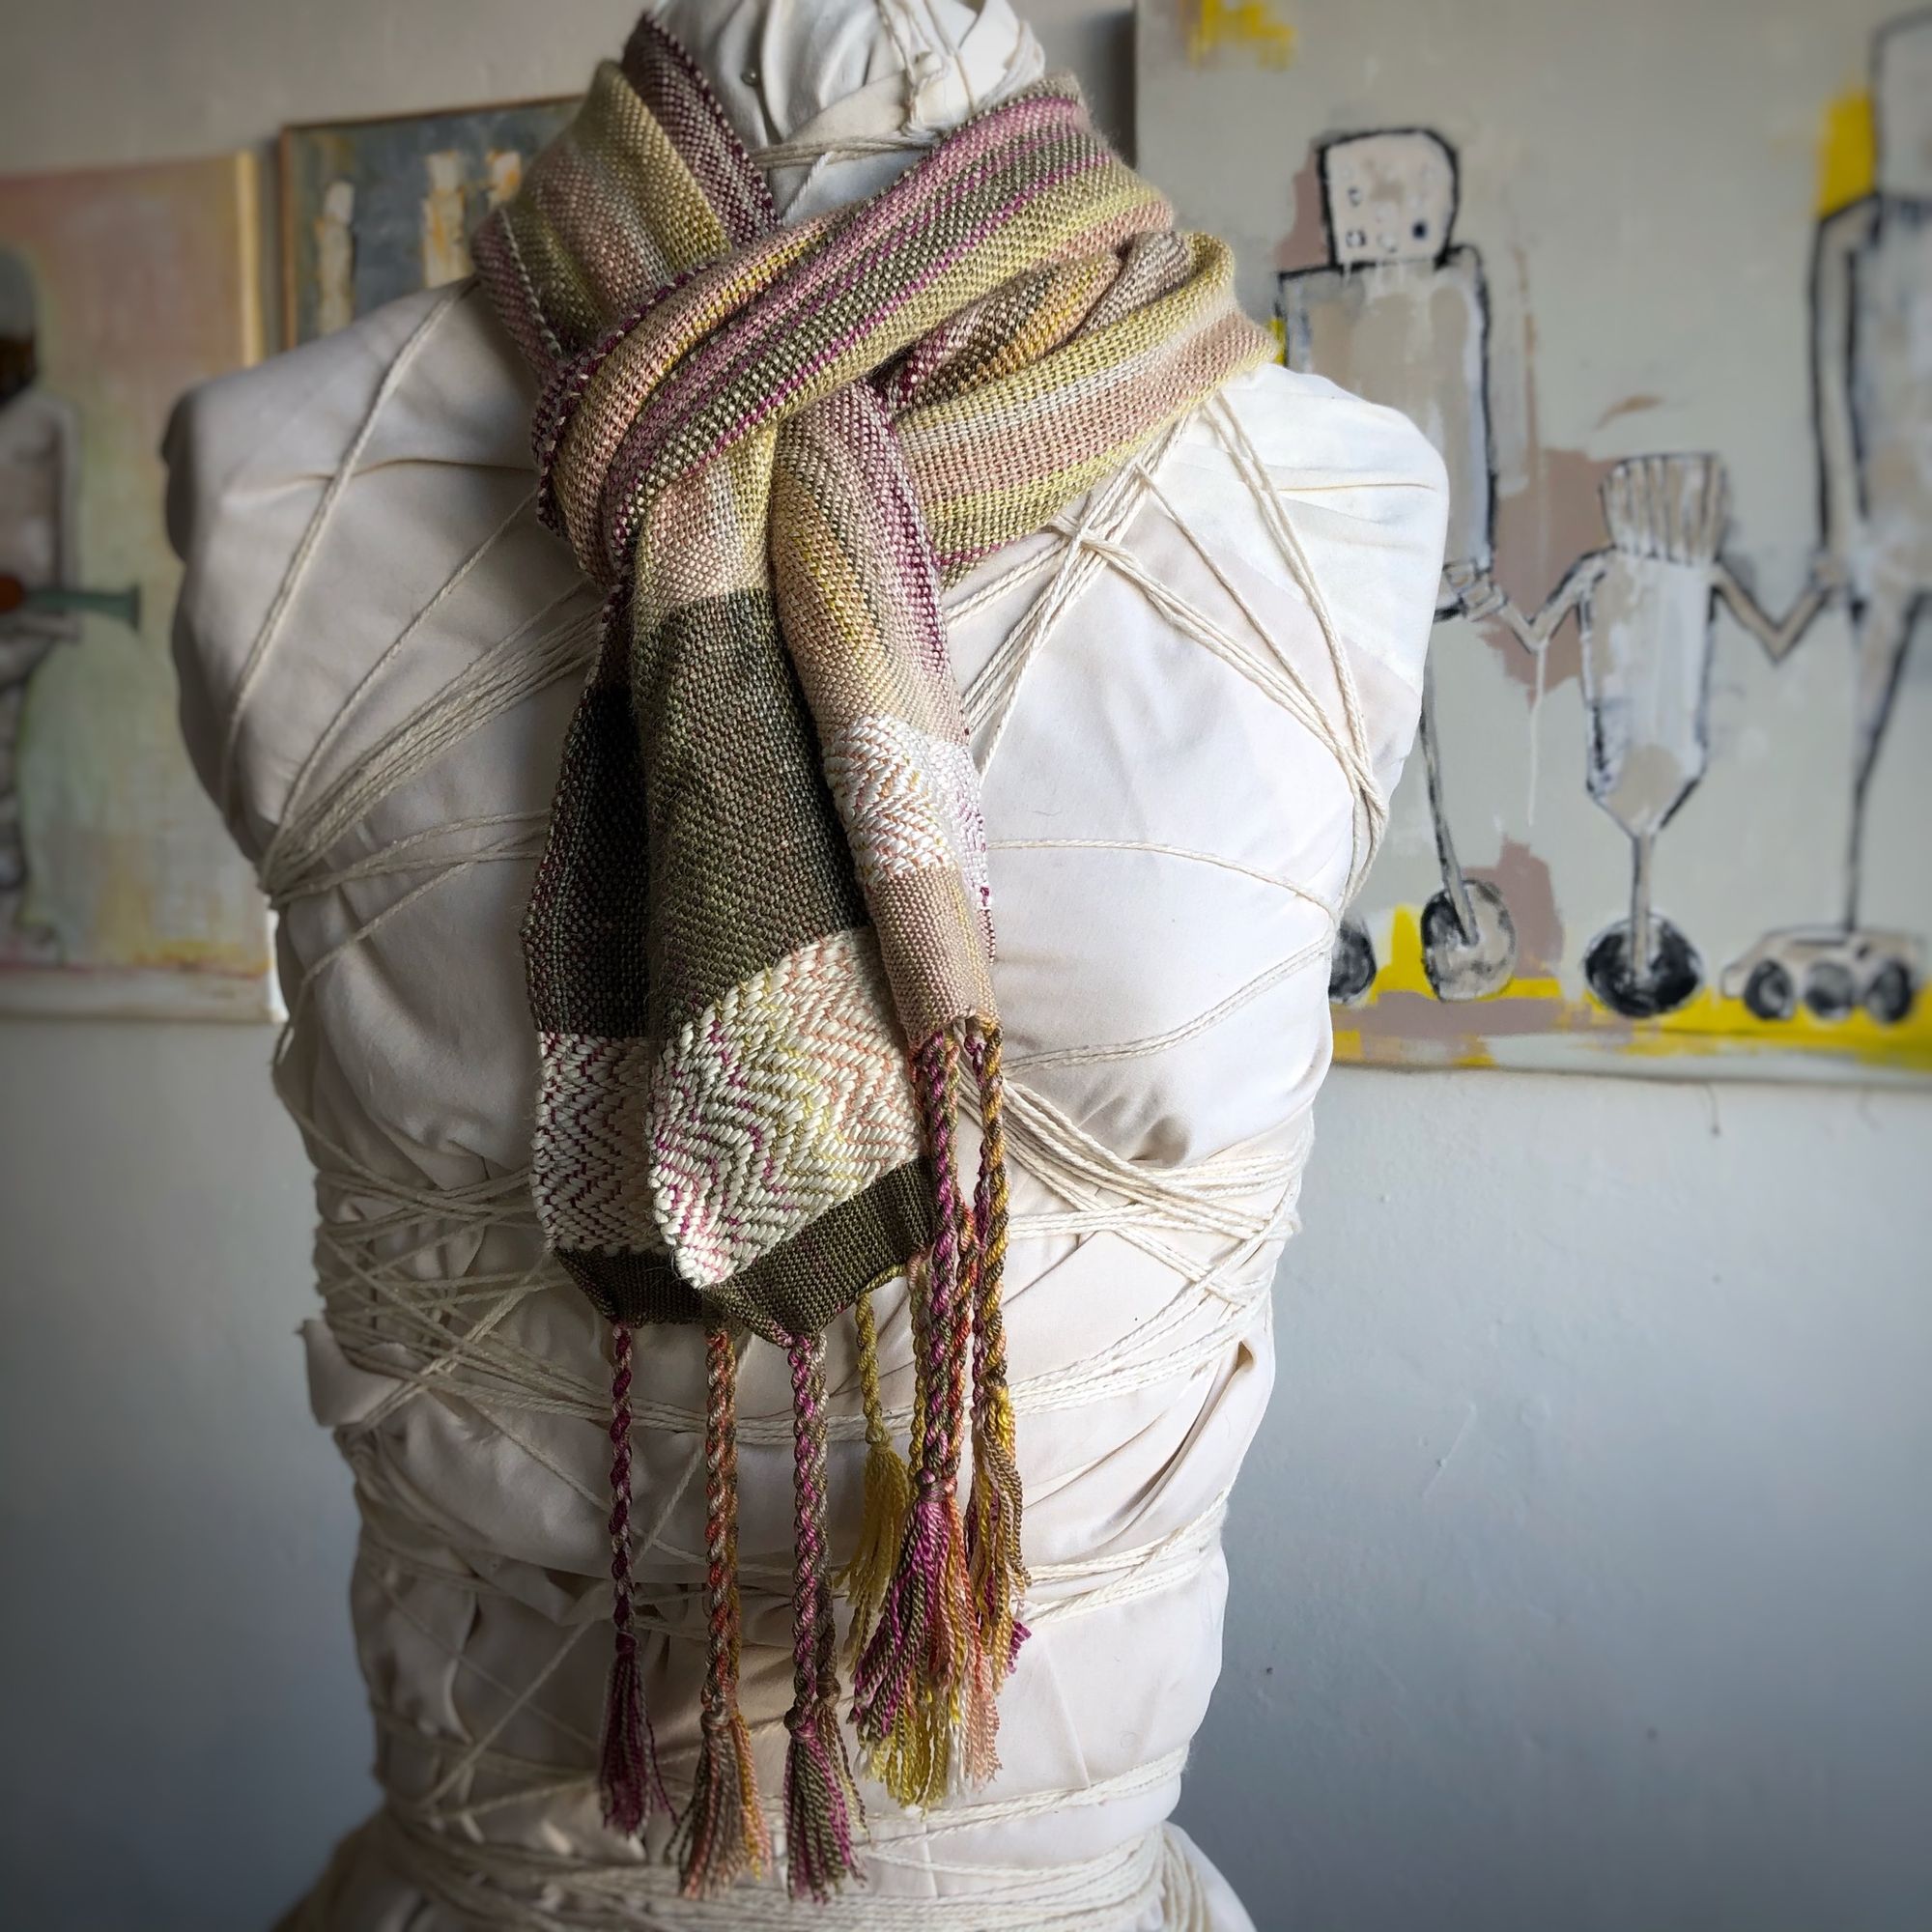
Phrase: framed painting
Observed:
(120, 890)
(377, 209)
(1657, 284)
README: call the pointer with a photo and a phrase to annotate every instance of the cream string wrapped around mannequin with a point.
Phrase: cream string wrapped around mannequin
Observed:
(1188, 700)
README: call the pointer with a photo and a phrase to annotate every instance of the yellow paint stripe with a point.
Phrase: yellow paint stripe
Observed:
(1709, 1027)
(1847, 152)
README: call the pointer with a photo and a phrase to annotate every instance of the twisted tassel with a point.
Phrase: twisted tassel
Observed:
(888, 1491)
(995, 1561)
(821, 1801)
(627, 1772)
(996, 1571)
(722, 1831)
(919, 1661)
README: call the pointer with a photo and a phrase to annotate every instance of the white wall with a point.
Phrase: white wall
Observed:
(1581, 1576)
(186, 1730)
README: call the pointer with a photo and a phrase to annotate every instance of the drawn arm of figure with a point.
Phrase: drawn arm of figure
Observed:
(1840, 500)
(1778, 635)
(1481, 601)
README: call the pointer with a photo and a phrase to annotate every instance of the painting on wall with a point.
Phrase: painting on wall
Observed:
(1671, 334)
(373, 210)
(120, 890)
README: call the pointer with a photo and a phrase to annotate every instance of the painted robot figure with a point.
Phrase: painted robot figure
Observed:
(1871, 320)
(1644, 609)
(38, 446)
(1399, 315)
(39, 606)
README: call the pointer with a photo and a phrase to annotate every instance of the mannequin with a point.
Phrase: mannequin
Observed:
(1191, 701)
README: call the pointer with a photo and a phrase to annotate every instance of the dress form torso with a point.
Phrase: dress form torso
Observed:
(1189, 703)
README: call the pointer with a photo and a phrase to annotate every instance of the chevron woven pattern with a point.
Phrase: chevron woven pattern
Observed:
(785, 1098)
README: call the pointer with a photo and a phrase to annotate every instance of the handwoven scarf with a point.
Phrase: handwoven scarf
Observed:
(760, 944)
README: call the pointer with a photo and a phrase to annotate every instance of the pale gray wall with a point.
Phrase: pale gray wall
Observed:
(1581, 1577)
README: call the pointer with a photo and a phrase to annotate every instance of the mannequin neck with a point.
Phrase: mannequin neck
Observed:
(837, 98)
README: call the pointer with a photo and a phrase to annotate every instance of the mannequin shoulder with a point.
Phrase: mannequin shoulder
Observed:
(259, 465)
(1361, 489)
(1368, 470)
(448, 379)
(1311, 432)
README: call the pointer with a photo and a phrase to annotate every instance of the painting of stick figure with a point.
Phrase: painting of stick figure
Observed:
(1871, 322)
(1662, 301)
(39, 448)
(120, 892)
(1645, 608)
(1399, 315)
(42, 601)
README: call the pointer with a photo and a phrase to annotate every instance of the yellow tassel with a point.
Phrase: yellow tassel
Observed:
(864, 1579)
(888, 1496)
(914, 1762)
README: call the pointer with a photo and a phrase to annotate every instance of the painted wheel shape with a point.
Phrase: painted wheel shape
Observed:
(1675, 974)
(1771, 992)
(1829, 989)
(1351, 971)
(1459, 968)
(1889, 996)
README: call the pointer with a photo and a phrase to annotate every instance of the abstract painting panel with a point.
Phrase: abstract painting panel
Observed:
(1657, 282)
(373, 210)
(120, 890)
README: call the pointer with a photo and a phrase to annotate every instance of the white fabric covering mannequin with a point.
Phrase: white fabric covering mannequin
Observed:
(1191, 701)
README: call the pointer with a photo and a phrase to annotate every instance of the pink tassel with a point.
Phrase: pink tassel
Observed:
(722, 1831)
(627, 1770)
(820, 1798)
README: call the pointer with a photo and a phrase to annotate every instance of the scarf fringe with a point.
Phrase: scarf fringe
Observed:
(628, 1777)
(821, 1797)
(938, 1643)
(934, 1587)
(722, 1831)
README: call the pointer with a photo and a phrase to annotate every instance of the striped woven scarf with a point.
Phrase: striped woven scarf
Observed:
(760, 944)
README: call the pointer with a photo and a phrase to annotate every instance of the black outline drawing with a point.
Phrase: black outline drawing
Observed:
(1414, 187)
(1644, 604)
(40, 609)
(1645, 608)
(1871, 413)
